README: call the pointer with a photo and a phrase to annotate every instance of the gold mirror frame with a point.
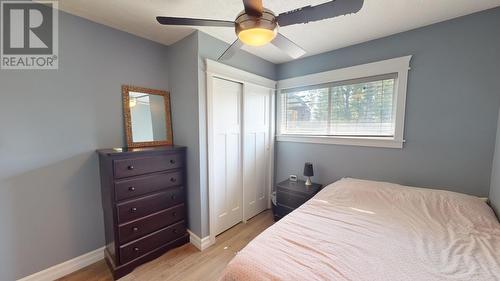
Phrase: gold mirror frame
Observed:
(127, 116)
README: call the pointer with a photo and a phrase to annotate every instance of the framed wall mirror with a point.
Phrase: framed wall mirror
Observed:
(147, 117)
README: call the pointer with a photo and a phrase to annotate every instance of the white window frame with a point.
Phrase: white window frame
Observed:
(400, 65)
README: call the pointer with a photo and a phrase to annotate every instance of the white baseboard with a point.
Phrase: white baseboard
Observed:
(67, 267)
(485, 199)
(200, 243)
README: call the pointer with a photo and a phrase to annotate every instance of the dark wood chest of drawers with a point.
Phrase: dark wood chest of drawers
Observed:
(144, 204)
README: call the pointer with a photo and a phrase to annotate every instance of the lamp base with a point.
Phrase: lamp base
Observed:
(308, 181)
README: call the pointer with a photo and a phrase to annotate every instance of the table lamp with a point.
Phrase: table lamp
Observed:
(308, 172)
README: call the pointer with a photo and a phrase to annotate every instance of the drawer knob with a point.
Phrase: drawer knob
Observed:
(136, 249)
(135, 229)
(173, 196)
(174, 214)
(133, 209)
(131, 188)
(173, 179)
(172, 161)
(175, 231)
(131, 167)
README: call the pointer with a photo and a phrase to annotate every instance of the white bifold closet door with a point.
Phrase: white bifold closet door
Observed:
(256, 161)
(227, 187)
(241, 163)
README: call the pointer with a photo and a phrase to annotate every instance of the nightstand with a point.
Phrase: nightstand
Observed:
(291, 194)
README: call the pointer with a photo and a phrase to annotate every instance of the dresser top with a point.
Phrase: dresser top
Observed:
(126, 150)
(300, 187)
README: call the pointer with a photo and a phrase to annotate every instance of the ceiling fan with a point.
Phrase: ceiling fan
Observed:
(257, 26)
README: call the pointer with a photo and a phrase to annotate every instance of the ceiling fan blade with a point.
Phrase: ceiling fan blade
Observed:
(253, 7)
(287, 46)
(194, 22)
(231, 50)
(327, 10)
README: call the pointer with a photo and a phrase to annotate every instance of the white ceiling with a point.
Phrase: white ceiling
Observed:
(377, 18)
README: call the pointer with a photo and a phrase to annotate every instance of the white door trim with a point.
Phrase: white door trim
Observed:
(227, 72)
(218, 70)
(272, 136)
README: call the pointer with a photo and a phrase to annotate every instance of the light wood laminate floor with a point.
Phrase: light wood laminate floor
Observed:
(186, 262)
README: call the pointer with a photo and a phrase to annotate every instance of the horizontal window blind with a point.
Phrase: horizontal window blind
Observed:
(361, 108)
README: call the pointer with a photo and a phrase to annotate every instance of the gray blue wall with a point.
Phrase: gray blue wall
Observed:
(183, 70)
(51, 123)
(451, 115)
(495, 175)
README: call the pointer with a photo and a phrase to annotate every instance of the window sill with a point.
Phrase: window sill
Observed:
(352, 141)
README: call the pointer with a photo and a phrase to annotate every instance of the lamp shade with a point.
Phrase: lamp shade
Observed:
(308, 169)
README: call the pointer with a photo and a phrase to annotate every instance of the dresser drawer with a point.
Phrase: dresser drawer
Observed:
(281, 211)
(137, 166)
(148, 243)
(136, 229)
(289, 199)
(147, 205)
(129, 188)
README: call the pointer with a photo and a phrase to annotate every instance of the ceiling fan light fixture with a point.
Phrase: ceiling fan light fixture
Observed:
(257, 36)
(257, 26)
(256, 31)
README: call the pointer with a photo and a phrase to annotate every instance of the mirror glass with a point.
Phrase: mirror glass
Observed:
(147, 117)
(147, 113)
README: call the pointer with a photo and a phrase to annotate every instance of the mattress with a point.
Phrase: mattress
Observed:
(365, 230)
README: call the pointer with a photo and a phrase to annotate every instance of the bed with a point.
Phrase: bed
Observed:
(365, 230)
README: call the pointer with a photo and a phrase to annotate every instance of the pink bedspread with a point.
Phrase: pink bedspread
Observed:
(365, 230)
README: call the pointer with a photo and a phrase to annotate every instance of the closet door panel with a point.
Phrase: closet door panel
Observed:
(249, 175)
(220, 177)
(256, 164)
(227, 153)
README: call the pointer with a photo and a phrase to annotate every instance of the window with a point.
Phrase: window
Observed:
(351, 108)
(346, 107)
